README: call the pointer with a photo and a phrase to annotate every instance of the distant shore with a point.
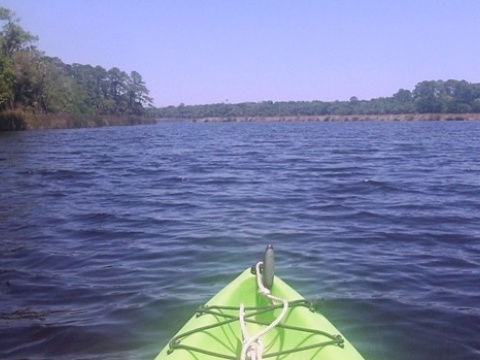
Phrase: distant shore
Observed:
(17, 120)
(326, 118)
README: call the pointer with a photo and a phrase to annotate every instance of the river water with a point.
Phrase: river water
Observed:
(111, 237)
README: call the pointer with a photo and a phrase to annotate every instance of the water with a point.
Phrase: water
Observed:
(111, 237)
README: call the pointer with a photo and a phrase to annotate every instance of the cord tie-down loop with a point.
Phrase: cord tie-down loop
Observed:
(252, 347)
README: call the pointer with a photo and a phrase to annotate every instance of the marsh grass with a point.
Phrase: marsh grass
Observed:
(12, 120)
(353, 117)
(24, 120)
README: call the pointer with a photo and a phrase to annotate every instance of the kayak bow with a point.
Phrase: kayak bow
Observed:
(248, 321)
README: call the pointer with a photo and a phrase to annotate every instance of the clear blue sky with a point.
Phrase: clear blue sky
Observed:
(211, 51)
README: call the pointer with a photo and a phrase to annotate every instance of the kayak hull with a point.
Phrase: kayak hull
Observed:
(216, 329)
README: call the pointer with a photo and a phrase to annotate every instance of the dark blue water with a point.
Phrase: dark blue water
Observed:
(111, 237)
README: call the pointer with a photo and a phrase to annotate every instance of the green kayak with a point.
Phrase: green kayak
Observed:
(258, 316)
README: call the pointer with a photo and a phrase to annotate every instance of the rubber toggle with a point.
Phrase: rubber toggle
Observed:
(268, 267)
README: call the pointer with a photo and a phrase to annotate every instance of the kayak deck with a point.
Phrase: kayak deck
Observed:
(215, 331)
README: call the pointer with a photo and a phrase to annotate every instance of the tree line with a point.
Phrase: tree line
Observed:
(448, 97)
(32, 82)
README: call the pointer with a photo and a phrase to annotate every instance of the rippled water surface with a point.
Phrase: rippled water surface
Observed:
(110, 238)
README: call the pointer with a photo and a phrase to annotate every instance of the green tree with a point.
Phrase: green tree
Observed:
(458, 96)
(6, 83)
(476, 105)
(30, 73)
(22, 68)
(428, 96)
(13, 36)
(118, 87)
(14, 41)
(137, 93)
(403, 96)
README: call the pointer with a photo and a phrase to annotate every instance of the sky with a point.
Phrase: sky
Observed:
(232, 51)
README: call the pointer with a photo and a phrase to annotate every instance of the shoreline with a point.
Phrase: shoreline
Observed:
(19, 121)
(339, 118)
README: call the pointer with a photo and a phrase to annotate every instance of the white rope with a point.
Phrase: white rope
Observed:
(252, 347)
